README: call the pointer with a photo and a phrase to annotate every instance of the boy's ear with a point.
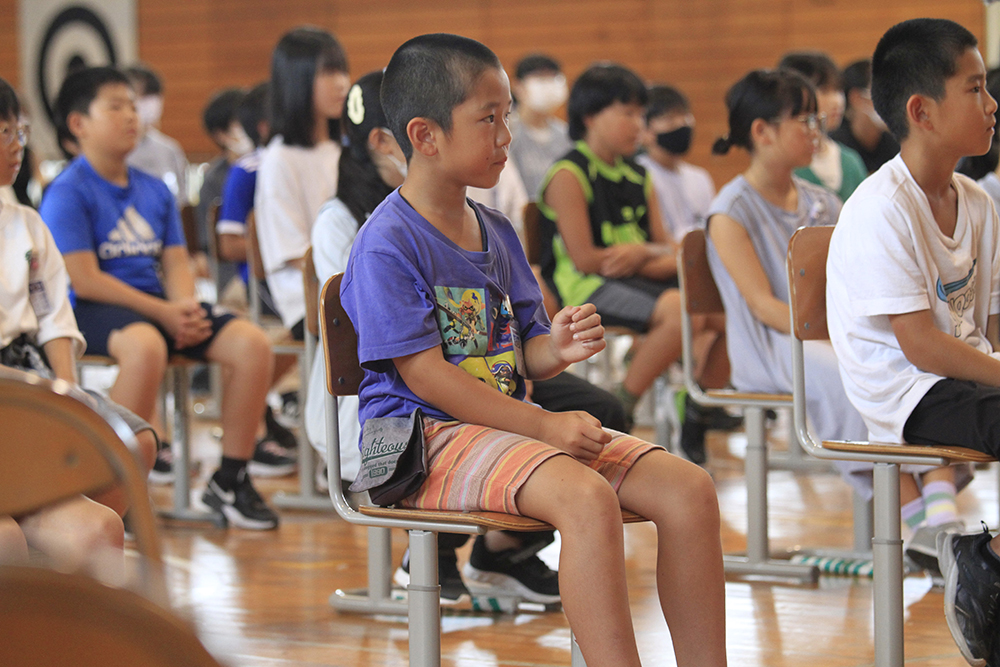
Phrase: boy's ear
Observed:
(423, 135)
(918, 110)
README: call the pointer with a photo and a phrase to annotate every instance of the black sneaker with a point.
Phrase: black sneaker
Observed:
(270, 459)
(971, 591)
(519, 572)
(282, 435)
(242, 506)
(163, 466)
(452, 586)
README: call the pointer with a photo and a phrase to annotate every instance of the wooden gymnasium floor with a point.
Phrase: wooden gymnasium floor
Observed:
(260, 598)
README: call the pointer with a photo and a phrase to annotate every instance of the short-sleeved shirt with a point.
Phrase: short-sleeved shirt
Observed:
(684, 195)
(409, 288)
(127, 228)
(849, 165)
(616, 195)
(534, 150)
(889, 257)
(237, 195)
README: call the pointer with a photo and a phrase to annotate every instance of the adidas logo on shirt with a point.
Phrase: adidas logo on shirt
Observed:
(132, 236)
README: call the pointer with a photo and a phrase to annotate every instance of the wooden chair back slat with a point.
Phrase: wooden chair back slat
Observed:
(189, 222)
(700, 291)
(532, 233)
(807, 253)
(340, 342)
(254, 260)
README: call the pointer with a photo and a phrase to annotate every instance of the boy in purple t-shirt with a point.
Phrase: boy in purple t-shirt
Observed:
(450, 320)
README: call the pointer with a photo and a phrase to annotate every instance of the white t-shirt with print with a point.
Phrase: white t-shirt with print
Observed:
(888, 257)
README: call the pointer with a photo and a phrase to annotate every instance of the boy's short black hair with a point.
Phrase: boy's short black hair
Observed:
(144, 80)
(10, 107)
(857, 76)
(915, 57)
(815, 66)
(252, 110)
(78, 92)
(600, 86)
(665, 100)
(428, 77)
(535, 63)
(220, 112)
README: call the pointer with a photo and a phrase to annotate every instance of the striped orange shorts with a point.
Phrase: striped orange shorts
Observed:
(477, 468)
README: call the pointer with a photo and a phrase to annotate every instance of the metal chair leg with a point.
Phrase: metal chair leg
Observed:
(887, 549)
(424, 595)
(377, 598)
(576, 657)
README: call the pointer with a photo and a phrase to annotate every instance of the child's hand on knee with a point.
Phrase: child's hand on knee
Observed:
(187, 322)
(577, 333)
(577, 433)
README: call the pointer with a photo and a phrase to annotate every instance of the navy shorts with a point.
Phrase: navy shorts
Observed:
(97, 320)
(959, 413)
(628, 302)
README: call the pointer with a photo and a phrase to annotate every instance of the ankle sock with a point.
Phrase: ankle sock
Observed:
(939, 501)
(229, 471)
(913, 513)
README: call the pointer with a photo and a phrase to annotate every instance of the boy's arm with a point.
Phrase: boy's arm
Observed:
(663, 264)
(178, 280)
(736, 251)
(454, 391)
(565, 197)
(934, 351)
(59, 352)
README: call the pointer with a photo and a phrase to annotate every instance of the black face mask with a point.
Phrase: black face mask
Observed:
(676, 142)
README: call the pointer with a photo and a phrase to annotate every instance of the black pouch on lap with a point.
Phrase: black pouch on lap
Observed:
(393, 462)
(23, 354)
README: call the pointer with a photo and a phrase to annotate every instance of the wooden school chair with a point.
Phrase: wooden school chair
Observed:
(343, 377)
(663, 413)
(807, 253)
(700, 296)
(307, 498)
(55, 446)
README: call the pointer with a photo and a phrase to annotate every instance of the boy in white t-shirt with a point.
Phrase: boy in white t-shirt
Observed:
(913, 291)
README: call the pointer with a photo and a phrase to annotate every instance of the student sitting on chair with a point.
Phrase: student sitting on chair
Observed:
(38, 334)
(913, 289)
(450, 320)
(119, 231)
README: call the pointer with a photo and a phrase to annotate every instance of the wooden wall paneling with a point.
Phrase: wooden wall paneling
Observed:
(10, 67)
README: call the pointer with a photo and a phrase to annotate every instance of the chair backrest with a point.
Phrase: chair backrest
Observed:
(532, 233)
(701, 294)
(55, 446)
(189, 222)
(254, 260)
(214, 210)
(50, 618)
(807, 251)
(340, 342)
(311, 284)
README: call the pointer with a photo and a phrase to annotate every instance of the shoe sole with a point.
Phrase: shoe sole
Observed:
(263, 470)
(160, 478)
(482, 582)
(402, 578)
(234, 518)
(946, 559)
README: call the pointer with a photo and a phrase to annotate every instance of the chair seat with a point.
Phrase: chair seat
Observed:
(488, 520)
(901, 449)
(738, 396)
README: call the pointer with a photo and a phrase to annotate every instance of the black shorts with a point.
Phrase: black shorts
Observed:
(97, 320)
(628, 302)
(959, 413)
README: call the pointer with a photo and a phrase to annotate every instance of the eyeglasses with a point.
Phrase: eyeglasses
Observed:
(9, 133)
(814, 122)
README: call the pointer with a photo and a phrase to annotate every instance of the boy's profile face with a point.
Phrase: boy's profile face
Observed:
(474, 152)
(111, 124)
(963, 118)
(616, 128)
(11, 149)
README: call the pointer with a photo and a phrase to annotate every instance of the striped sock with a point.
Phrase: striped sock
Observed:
(939, 497)
(913, 513)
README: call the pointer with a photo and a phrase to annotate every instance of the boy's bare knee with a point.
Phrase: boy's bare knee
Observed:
(595, 502)
(242, 342)
(140, 344)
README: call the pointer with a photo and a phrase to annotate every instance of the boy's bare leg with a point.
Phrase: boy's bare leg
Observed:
(13, 547)
(245, 353)
(680, 499)
(583, 507)
(79, 535)
(115, 497)
(141, 354)
(661, 347)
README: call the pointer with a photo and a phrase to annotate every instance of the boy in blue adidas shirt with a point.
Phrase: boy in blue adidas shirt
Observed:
(119, 231)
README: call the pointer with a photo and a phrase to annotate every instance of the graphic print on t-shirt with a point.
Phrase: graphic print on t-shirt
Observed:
(476, 330)
(960, 295)
(132, 236)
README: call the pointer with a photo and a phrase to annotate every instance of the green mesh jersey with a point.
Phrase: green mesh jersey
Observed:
(616, 201)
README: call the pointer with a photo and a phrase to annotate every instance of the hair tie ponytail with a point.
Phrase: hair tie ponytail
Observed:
(722, 145)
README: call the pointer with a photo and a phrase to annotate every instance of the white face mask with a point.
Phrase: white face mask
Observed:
(150, 109)
(400, 165)
(545, 94)
(238, 142)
